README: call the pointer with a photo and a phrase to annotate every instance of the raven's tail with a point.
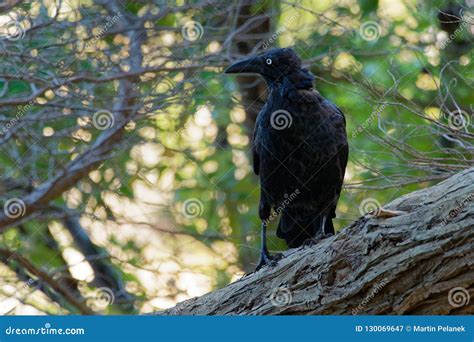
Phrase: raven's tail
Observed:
(295, 228)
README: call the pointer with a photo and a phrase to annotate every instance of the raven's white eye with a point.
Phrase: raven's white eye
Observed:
(268, 61)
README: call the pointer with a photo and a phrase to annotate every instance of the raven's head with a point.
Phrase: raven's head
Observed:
(274, 66)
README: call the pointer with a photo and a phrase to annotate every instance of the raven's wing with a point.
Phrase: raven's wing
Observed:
(255, 156)
(339, 122)
(325, 154)
(257, 141)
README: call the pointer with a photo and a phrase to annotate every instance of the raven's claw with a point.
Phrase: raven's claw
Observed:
(310, 242)
(267, 259)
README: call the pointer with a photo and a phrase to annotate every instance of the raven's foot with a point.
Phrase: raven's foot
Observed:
(311, 242)
(327, 235)
(386, 213)
(267, 259)
(315, 239)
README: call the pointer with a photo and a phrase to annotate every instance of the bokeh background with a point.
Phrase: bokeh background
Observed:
(125, 175)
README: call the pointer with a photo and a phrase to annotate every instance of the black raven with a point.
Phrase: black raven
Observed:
(299, 150)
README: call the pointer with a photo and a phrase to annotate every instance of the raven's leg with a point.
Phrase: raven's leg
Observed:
(264, 211)
(265, 257)
(323, 225)
(318, 234)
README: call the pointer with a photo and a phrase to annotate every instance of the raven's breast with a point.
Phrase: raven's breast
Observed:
(300, 159)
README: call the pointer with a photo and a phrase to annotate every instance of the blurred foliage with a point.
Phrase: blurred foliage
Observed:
(174, 206)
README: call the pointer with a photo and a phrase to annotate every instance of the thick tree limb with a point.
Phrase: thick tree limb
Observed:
(420, 262)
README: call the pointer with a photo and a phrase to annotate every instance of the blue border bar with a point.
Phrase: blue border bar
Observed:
(240, 328)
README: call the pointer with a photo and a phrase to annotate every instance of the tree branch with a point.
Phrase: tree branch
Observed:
(124, 109)
(104, 272)
(43, 276)
(408, 264)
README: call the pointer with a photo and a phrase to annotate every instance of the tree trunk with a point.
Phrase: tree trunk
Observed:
(420, 262)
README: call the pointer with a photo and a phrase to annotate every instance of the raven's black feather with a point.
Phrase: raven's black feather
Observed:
(302, 166)
(299, 149)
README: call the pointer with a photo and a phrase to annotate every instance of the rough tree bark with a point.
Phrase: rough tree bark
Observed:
(420, 262)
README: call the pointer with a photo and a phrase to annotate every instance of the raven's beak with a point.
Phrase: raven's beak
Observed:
(248, 65)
